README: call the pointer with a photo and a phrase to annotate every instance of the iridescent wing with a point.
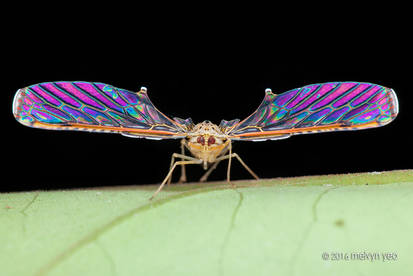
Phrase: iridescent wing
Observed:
(332, 106)
(92, 106)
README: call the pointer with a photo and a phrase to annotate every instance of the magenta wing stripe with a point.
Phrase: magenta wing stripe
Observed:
(33, 97)
(365, 96)
(324, 89)
(356, 111)
(92, 91)
(335, 115)
(45, 95)
(57, 92)
(111, 92)
(302, 94)
(339, 90)
(379, 96)
(284, 98)
(78, 94)
(354, 91)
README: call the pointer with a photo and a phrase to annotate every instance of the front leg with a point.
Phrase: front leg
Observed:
(229, 157)
(183, 157)
(195, 161)
(182, 178)
(209, 171)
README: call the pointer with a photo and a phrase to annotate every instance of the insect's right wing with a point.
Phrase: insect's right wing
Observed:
(323, 107)
(97, 107)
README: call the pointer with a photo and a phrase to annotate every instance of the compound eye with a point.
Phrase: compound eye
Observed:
(211, 140)
(201, 140)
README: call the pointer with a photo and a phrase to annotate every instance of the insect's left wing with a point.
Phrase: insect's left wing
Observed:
(97, 107)
(333, 106)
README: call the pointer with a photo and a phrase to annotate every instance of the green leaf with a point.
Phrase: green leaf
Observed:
(267, 227)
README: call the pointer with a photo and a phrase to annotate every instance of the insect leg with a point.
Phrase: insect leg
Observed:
(183, 157)
(182, 179)
(229, 163)
(209, 171)
(229, 156)
(245, 165)
(196, 161)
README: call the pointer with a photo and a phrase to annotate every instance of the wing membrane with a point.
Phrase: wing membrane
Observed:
(91, 106)
(333, 106)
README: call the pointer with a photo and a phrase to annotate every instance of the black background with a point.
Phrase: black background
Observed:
(208, 63)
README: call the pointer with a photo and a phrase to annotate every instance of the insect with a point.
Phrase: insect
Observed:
(98, 107)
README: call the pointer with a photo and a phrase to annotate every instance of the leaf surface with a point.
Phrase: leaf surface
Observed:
(268, 227)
